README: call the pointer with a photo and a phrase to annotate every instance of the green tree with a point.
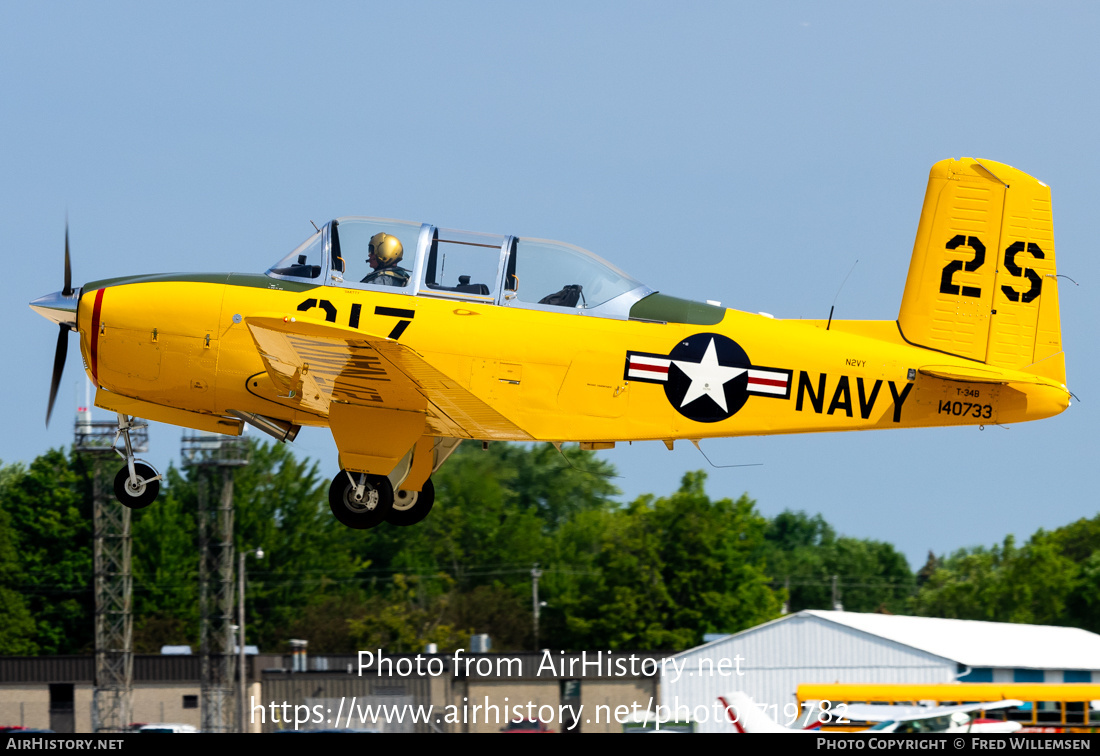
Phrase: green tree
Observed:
(17, 626)
(281, 506)
(804, 553)
(930, 566)
(1083, 603)
(605, 587)
(404, 620)
(1033, 584)
(660, 573)
(500, 610)
(1080, 543)
(557, 485)
(494, 510)
(49, 506)
(166, 570)
(710, 550)
(496, 514)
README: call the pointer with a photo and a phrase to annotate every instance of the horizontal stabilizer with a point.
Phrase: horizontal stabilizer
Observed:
(975, 374)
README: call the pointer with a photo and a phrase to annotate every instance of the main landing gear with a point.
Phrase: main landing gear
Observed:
(137, 484)
(362, 500)
(410, 507)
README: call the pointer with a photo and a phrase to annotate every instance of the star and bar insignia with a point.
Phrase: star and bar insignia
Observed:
(707, 377)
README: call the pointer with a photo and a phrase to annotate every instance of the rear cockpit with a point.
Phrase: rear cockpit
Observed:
(400, 257)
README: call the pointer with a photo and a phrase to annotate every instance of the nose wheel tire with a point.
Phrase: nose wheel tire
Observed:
(410, 507)
(139, 493)
(360, 509)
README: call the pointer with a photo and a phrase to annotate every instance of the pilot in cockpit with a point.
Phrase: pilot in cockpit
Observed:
(385, 254)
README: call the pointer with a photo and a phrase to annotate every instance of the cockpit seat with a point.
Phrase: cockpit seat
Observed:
(464, 287)
(567, 297)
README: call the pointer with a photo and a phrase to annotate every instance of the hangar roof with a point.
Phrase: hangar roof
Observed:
(980, 644)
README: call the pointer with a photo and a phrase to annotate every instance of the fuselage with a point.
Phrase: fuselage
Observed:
(182, 342)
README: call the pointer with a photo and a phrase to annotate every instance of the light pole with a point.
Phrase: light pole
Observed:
(241, 710)
(536, 573)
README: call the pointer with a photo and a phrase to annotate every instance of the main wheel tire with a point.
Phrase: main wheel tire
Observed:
(141, 495)
(375, 507)
(410, 507)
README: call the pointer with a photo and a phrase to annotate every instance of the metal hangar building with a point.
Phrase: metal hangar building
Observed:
(769, 661)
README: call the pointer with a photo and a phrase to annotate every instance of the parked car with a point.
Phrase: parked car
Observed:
(167, 727)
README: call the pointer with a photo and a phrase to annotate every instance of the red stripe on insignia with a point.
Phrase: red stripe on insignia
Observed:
(780, 383)
(94, 348)
(649, 368)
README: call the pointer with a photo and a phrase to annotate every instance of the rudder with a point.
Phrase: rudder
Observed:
(981, 281)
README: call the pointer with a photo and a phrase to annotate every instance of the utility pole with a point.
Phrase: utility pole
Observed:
(112, 698)
(242, 680)
(214, 456)
(837, 606)
(536, 573)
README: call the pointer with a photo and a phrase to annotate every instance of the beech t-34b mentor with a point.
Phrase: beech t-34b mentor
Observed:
(406, 339)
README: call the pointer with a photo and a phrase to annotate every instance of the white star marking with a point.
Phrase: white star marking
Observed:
(708, 378)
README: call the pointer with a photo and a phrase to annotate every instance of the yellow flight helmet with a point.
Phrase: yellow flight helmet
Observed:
(387, 248)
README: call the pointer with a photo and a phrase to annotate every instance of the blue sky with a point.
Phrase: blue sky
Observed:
(741, 152)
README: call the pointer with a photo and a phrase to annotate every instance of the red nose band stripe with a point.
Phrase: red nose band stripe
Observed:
(94, 349)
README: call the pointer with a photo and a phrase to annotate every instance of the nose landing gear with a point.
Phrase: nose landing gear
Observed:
(137, 484)
(139, 490)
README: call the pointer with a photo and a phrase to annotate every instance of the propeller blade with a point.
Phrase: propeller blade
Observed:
(68, 290)
(58, 367)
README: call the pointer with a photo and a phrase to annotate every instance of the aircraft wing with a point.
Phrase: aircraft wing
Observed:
(940, 711)
(894, 713)
(746, 716)
(317, 363)
(883, 712)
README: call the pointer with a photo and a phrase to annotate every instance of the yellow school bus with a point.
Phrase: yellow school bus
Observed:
(1056, 707)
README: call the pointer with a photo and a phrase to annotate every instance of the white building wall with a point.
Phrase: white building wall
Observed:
(25, 705)
(776, 657)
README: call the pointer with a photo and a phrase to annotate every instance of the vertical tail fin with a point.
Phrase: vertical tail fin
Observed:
(982, 279)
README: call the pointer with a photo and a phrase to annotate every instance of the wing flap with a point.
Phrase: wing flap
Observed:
(319, 363)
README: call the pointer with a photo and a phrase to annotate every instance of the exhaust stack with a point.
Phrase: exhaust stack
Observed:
(280, 430)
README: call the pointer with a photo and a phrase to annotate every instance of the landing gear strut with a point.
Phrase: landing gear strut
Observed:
(360, 500)
(137, 484)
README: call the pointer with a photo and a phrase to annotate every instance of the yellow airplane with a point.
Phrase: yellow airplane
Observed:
(406, 339)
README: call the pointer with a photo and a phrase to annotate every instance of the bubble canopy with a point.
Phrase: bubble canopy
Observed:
(427, 261)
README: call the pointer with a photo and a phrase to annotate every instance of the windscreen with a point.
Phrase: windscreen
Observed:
(304, 262)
